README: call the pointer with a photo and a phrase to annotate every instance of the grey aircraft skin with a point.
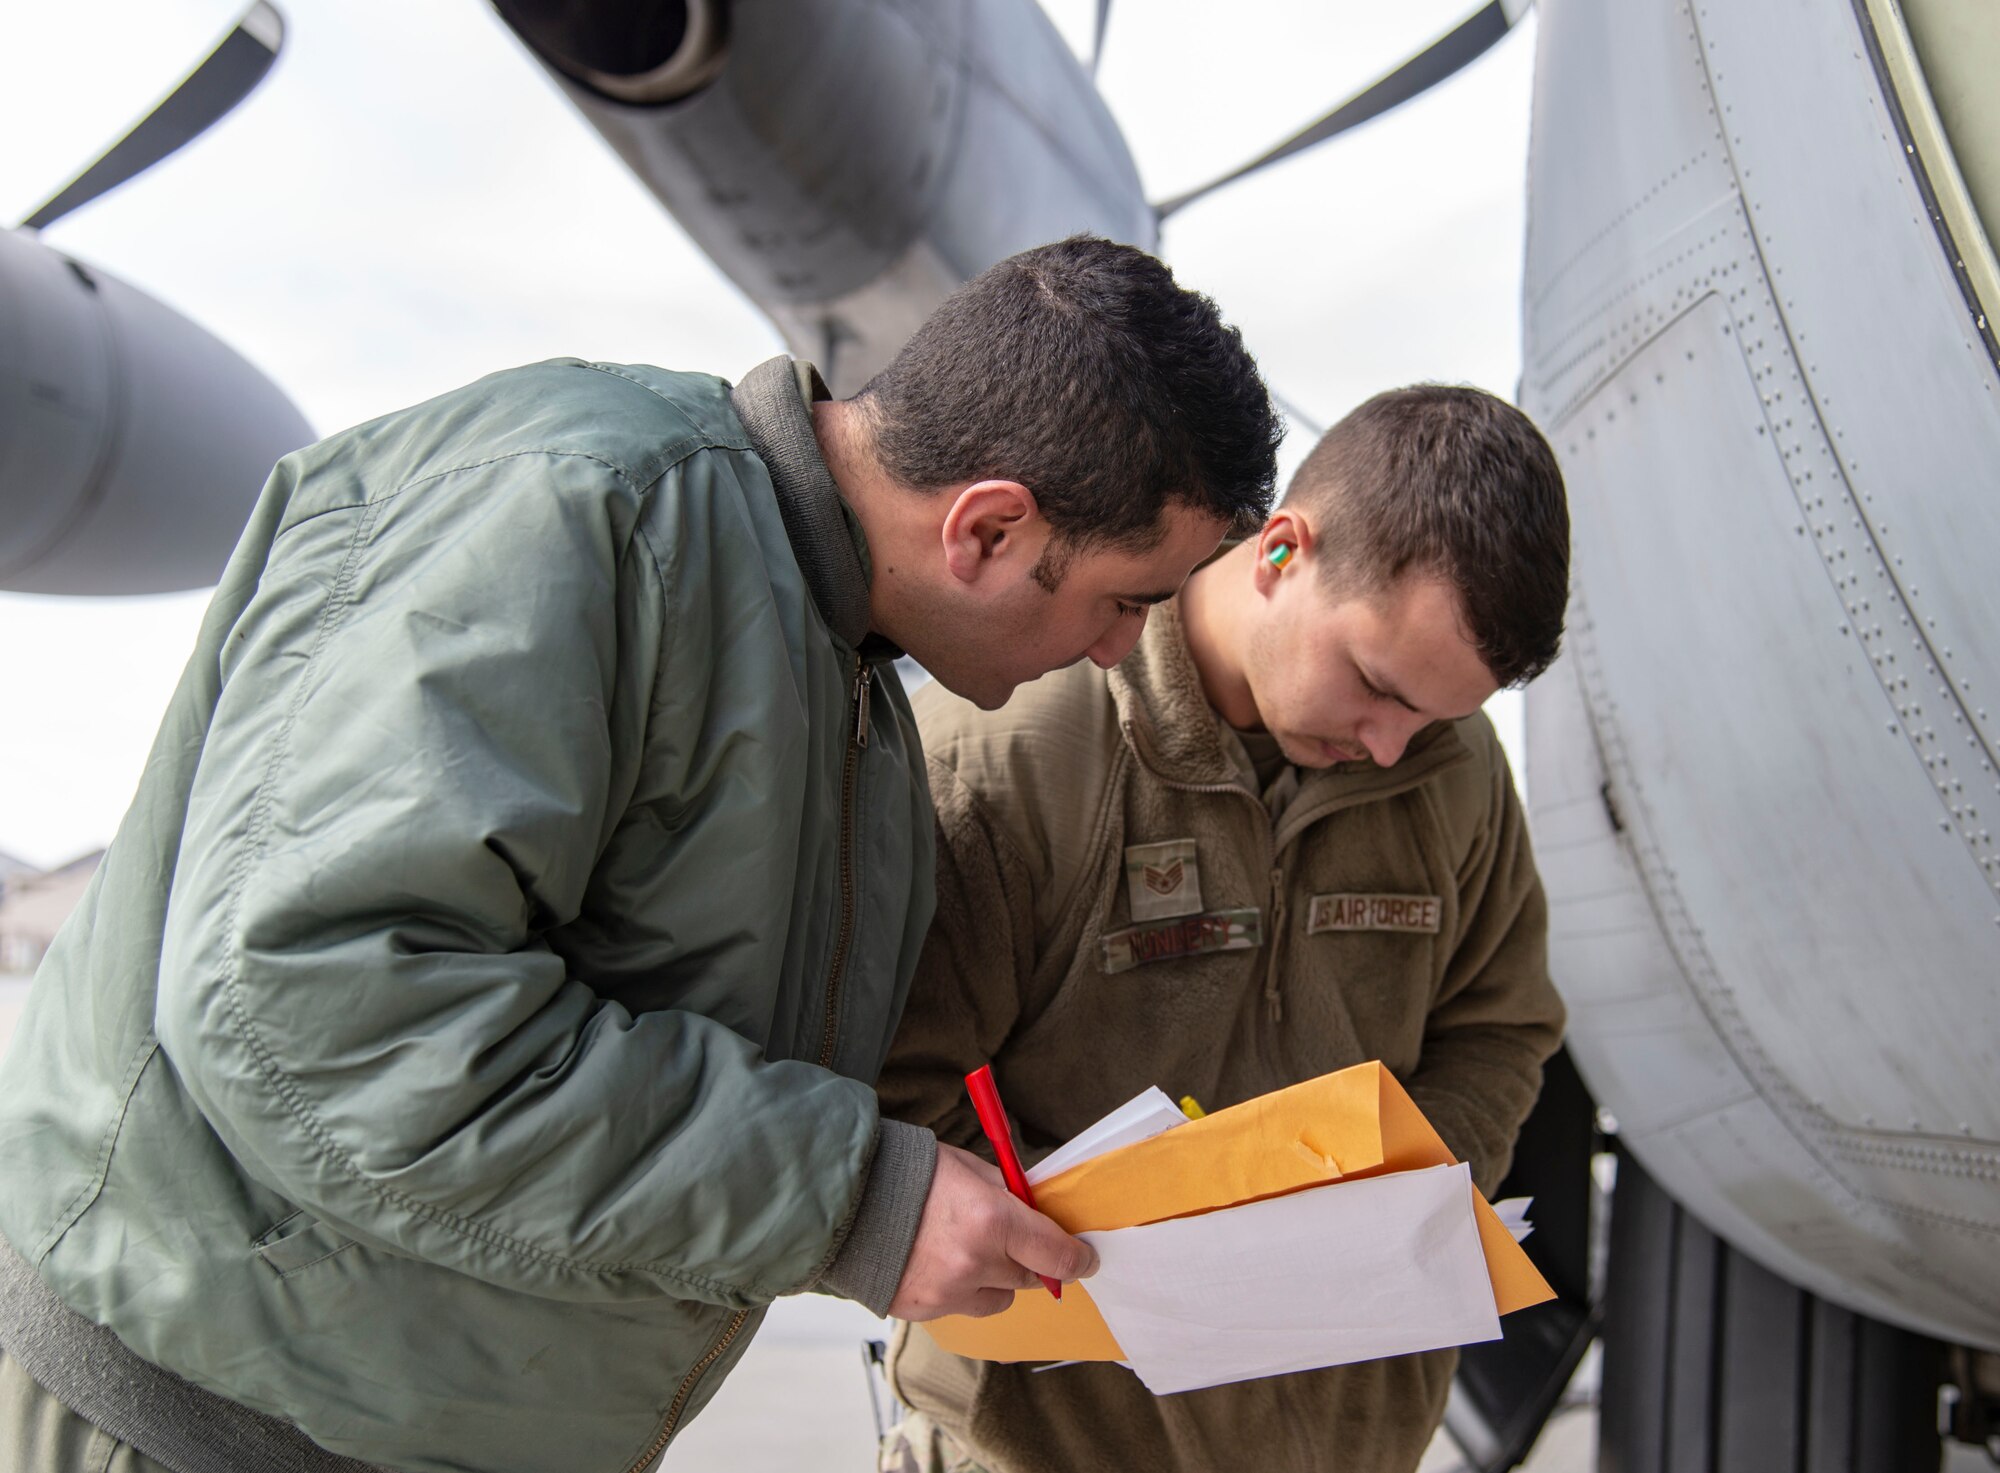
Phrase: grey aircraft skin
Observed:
(1762, 777)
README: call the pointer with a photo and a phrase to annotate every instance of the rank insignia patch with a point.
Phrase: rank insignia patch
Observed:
(1162, 879)
(1416, 913)
(1169, 940)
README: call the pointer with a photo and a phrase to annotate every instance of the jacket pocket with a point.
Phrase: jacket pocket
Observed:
(298, 1242)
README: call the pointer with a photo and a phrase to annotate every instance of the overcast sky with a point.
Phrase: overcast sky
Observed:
(407, 203)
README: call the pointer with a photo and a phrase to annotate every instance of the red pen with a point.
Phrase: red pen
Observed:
(993, 1120)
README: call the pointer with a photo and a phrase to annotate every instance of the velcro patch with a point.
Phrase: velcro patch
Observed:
(1162, 879)
(1417, 913)
(1169, 940)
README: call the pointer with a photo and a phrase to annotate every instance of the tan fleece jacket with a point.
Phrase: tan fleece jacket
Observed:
(1389, 914)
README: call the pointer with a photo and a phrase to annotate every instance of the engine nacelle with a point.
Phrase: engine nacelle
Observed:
(132, 442)
(1765, 773)
(838, 158)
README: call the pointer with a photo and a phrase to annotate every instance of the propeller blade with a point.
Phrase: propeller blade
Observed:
(1448, 54)
(1097, 40)
(225, 77)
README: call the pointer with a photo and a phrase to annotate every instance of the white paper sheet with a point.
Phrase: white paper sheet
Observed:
(1513, 1215)
(1329, 1275)
(1139, 1119)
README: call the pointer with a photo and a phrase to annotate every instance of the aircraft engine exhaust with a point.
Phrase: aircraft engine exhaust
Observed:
(132, 442)
(841, 164)
(642, 54)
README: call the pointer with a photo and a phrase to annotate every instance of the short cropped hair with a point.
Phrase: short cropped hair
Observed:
(1453, 482)
(1083, 371)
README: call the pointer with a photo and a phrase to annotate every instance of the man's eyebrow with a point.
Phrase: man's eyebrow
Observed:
(1387, 689)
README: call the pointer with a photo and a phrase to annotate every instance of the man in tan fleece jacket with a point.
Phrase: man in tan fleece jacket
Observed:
(1278, 839)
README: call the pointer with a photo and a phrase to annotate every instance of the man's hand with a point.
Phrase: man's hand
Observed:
(976, 1244)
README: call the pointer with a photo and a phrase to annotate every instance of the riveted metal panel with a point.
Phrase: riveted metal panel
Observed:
(1883, 396)
(1777, 926)
(1625, 169)
(1734, 739)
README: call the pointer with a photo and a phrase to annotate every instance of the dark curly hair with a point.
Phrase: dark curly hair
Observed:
(1085, 372)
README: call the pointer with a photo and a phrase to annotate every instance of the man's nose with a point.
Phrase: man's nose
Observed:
(1117, 641)
(1385, 744)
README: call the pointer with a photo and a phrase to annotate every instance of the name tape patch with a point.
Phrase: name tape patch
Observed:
(1165, 941)
(1162, 879)
(1417, 913)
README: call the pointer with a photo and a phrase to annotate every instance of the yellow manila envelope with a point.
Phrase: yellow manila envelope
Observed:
(1347, 1126)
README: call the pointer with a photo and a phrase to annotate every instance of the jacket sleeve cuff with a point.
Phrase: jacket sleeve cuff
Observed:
(869, 1263)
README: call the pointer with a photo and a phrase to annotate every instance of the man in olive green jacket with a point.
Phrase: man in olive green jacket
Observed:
(471, 1029)
(1277, 840)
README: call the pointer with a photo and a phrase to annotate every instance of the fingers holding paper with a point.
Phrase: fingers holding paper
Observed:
(976, 1244)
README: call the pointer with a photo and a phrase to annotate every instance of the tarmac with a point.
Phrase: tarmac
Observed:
(800, 1400)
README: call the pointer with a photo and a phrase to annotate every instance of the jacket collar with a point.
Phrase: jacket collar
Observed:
(1173, 731)
(774, 402)
(1162, 707)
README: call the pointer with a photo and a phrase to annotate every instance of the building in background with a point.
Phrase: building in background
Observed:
(12, 869)
(33, 906)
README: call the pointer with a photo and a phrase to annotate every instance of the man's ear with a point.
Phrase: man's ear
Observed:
(990, 524)
(1284, 546)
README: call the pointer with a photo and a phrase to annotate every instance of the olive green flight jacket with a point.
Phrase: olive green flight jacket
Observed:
(471, 1028)
(1389, 914)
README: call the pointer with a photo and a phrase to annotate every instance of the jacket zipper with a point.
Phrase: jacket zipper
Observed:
(844, 937)
(864, 682)
(850, 768)
(1274, 1003)
(688, 1384)
(1142, 749)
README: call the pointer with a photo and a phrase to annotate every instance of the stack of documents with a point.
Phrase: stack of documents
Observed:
(1313, 1226)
